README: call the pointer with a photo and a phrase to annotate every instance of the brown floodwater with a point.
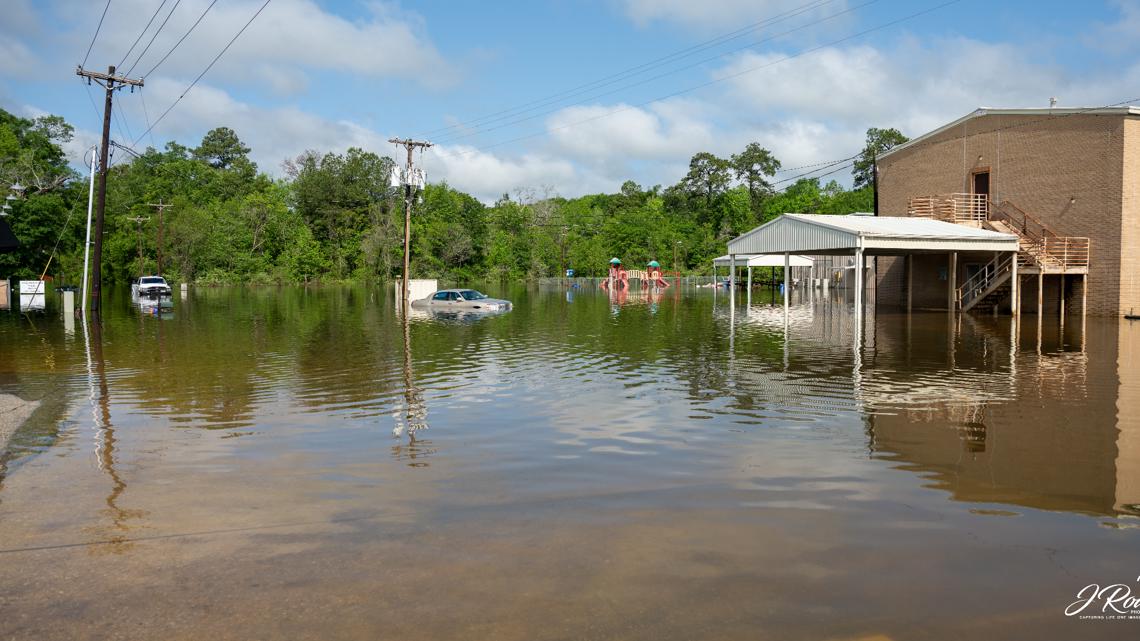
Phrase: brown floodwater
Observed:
(289, 463)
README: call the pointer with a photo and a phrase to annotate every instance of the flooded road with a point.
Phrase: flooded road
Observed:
(272, 464)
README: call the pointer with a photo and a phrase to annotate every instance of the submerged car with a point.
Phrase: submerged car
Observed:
(462, 300)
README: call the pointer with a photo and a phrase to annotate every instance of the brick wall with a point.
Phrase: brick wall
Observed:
(1068, 172)
(1130, 222)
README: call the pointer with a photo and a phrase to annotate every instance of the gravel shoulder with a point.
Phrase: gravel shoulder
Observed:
(13, 412)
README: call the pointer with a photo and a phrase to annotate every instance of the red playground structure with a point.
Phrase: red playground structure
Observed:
(649, 278)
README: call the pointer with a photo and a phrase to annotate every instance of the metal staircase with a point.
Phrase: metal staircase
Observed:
(989, 287)
(1040, 249)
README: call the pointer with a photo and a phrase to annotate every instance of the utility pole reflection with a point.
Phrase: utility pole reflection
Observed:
(413, 416)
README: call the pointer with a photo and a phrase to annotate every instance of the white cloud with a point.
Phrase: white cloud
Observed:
(487, 176)
(601, 132)
(288, 39)
(1119, 36)
(16, 59)
(275, 134)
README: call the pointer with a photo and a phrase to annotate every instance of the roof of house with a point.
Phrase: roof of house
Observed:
(826, 234)
(1045, 113)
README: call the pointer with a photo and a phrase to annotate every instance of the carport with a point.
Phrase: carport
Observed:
(862, 235)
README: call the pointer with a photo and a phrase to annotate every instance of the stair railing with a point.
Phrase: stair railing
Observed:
(1043, 244)
(980, 283)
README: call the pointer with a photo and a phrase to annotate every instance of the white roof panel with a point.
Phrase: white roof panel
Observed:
(764, 260)
(814, 233)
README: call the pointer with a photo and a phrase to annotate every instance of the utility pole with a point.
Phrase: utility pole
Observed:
(410, 181)
(110, 82)
(161, 207)
(139, 220)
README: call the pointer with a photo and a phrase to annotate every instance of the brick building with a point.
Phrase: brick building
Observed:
(1066, 180)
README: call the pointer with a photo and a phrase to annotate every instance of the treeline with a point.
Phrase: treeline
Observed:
(335, 216)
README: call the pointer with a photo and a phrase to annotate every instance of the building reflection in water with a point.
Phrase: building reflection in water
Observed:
(1040, 425)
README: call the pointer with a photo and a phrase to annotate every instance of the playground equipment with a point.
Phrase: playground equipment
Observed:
(649, 278)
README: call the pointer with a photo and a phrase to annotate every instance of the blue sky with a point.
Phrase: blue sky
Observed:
(326, 75)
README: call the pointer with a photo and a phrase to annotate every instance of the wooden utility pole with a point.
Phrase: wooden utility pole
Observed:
(161, 207)
(139, 220)
(110, 82)
(410, 183)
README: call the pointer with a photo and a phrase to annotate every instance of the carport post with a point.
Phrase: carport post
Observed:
(787, 291)
(750, 284)
(909, 281)
(952, 282)
(1015, 291)
(732, 279)
(858, 295)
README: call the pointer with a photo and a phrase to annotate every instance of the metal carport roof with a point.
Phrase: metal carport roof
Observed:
(769, 260)
(875, 235)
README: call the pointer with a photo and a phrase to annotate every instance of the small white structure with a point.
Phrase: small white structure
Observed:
(764, 260)
(418, 288)
(33, 295)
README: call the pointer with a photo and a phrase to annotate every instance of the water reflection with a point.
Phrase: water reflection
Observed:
(412, 417)
(667, 459)
(120, 526)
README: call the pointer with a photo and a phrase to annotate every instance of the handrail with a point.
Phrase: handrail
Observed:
(951, 208)
(980, 282)
(1039, 244)
(1045, 246)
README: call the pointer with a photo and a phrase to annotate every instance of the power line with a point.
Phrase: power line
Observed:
(710, 82)
(142, 33)
(154, 35)
(204, 71)
(708, 44)
(96, 36)
(146, 116)
(184, 36)
(664, 74)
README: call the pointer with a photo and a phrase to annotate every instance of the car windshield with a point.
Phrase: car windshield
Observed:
(471, 294)
(151, 280)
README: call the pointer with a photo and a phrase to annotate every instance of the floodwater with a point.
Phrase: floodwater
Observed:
(281, 464)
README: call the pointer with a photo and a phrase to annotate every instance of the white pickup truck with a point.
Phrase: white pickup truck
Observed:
(151, 287)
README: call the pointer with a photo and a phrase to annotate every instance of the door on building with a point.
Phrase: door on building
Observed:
(982, 182)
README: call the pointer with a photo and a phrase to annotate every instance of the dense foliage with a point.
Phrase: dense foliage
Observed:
(334, 216)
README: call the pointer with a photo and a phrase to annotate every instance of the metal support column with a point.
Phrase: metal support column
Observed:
(1015, 289)
(952, 282)
(909, 281)
(787, 291)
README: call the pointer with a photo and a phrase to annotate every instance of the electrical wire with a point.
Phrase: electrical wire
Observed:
(184, 36)
(146, 117)
(96, 36)
(710, 82)
(657, 77)
(204, 71)
(142, 33)
(153, 36)
(656, 62)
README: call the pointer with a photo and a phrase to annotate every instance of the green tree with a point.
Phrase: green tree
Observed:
(878, 142)
(753, 167)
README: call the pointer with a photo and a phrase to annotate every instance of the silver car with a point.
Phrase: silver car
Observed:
(462, 300)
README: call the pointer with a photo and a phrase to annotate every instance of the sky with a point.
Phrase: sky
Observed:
(560, 97)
